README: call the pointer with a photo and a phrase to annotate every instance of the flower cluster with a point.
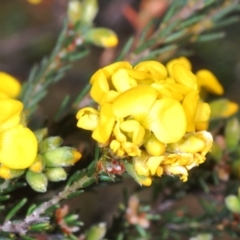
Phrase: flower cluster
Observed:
(152, 115)
(18, 144)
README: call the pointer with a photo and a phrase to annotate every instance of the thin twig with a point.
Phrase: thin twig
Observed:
(23, 226)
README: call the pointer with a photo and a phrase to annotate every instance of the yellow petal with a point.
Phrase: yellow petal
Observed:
(131, 149)
(140, 165)
(109, 70)
(202, 116)
(157, 70)
(166, 120)
(190, 104)
(182, 60)
(133, 126)
(153, 164)
(105, 126)
(188, 144)
(118, 133)
(9, 85)
(184, 76)
(88, 118)
(10, 113)
(99, 88)
(208, 81)
(18, 147)
(177, 170)
(153, 146)
(121, 80)
(135, 102)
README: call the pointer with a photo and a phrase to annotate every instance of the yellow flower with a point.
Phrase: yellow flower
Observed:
(9, 86)
(151, 115)
(18, 144)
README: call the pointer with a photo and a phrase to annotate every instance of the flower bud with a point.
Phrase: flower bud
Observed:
(38, 164)
(41, 134)
(235, 167)
(37, 181)
(61, 157)
(90, 9)
(96, 232)
(50, 143)
(84, 11)
(233, 203)
(102, 37)
(216, 152)
(222, 108)
(56, 174)
(74, 11)
(232, 133)
(8, 173)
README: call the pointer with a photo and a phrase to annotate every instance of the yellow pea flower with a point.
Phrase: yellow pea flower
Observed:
(9, 86)
(18, 144)
(18, 147)
(149, 114)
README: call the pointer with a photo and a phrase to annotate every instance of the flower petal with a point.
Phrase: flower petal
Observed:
(154, 68)
(9, 85)
(166, 120)
(208, 81)
(87, 118)
(105, 126)
(184, 76)
(135, 102)
(18, 147)
(10, 113)
(190, 104)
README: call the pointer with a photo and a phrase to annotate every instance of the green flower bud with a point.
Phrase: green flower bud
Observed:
(74, 11)
(233, 203)
(41, 134)
(216, 152)
(236, 168)
(96, 232)
(232, 134)
(90, 9)
(37, 181)
(61, 157)
(102, 37)
(56, 174)
(222, 108)
(84, 11)
(50, 143)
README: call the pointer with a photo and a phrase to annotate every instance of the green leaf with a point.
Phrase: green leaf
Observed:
(15, 209)
(125, 49)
